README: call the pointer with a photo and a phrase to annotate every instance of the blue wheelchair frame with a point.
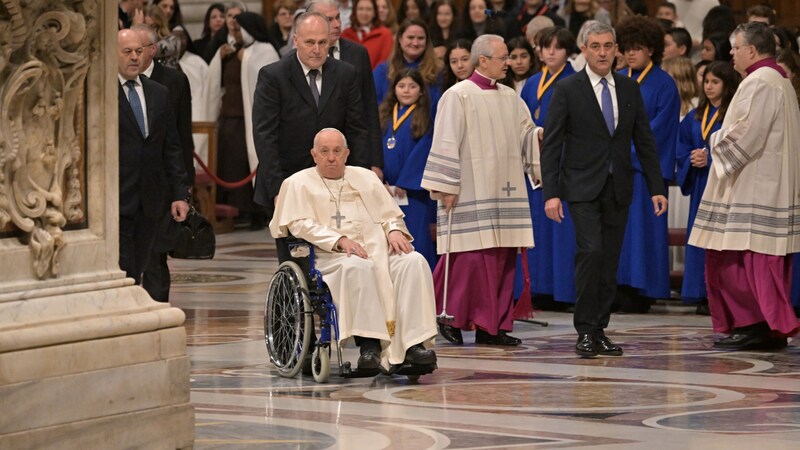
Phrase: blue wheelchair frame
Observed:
(321, 304)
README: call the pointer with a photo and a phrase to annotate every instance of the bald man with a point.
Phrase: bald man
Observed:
(152, 179)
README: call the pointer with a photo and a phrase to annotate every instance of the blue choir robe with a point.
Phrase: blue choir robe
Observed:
(551, 262)
(692, 181)
(402, 167)
(644, 261)
(383, 84)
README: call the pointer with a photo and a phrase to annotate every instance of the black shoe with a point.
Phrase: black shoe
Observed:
(774, 344)
(370, 354)
(419, 356)
(452, 334)
(585, 345)
(742, 341)
(501, 338)
(702, 309)
(604, 346)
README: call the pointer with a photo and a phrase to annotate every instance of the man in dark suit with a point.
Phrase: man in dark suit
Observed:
(357, 56)
(586, 161)
(294, 99)
(152, 178)
(156, 276)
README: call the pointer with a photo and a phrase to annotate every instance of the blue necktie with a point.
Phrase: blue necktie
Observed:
(607, 106)
(312, 77)
(136, 105)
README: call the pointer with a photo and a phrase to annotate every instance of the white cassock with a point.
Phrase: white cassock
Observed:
(196, 71)
(387, 296)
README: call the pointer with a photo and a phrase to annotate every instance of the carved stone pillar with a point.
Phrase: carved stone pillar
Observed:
(87, 359)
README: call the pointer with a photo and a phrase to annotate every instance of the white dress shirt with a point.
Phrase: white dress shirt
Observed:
(307, 69)
(598, 91)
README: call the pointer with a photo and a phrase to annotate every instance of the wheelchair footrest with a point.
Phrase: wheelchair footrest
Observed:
(346, 371)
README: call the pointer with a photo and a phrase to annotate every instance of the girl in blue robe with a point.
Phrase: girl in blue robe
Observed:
(719, 84)
(551, 262)
(407, 139)
(644, 261)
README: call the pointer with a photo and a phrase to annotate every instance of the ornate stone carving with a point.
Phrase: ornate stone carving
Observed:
(44, 59)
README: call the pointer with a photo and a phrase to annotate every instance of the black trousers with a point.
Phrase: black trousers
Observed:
(599, 232)
(136, 236)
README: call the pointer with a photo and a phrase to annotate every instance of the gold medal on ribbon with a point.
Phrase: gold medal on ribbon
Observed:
(392, 142)
(536, 113)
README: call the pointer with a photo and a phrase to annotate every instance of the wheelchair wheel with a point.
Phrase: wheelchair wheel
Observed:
(288, 322)
(321, 364)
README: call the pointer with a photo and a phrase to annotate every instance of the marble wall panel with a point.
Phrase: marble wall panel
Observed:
(48, 402)
(159, 428)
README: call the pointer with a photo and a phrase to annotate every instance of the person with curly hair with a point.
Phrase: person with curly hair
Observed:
(412, 49)
(644, 263)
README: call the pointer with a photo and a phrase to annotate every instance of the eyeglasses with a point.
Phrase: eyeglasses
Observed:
(501, 58)
(737, 47)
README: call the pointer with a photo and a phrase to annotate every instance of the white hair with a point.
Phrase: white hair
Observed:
(316, 137)
(311, 5)
(483, 47)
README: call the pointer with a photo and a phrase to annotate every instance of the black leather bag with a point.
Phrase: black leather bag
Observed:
(195, 238)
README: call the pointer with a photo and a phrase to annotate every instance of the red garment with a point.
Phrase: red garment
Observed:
(480, 288)
(378, 41)
(745, 288)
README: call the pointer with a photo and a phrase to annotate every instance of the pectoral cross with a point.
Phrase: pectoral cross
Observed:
(508, 189)
(338, 218)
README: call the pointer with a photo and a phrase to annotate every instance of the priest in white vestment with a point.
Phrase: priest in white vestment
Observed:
(749, 218)
(382, 288)
(483, 143)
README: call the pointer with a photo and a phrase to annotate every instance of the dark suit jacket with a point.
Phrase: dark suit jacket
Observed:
(180, 97)
(357, 56)
(151, 174)
(285, 120)
(577, 147)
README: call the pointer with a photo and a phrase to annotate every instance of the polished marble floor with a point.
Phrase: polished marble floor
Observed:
(671, 390)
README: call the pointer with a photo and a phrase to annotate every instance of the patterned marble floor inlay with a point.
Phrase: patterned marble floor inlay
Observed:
(670, 390)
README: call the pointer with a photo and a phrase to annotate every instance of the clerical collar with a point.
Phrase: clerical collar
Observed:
(770, 62)
(483, 82)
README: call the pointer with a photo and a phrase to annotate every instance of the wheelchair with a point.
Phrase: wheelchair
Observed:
(294, 297)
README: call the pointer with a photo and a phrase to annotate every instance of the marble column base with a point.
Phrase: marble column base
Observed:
(103, 368)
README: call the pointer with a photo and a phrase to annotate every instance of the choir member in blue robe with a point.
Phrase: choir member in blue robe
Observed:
(644, 262)
(412, 50)
(720, 81)
(407, 138)
(551, 262)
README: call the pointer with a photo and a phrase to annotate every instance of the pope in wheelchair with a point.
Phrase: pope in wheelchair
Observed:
(382, 288)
